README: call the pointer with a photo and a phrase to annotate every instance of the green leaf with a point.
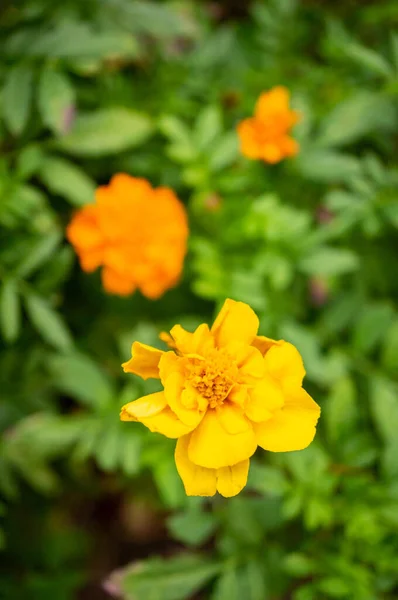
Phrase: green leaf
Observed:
(48, 322)
(173, 579)
(29, 161)
(328, 166)
(109, 448)
(330, 262)
(41, 251)
(384, 408)
(227, 586)
(390, 348)
(55, 97)
(64, 178)
(10, 312)
(267, 480)
(367, 58)
(107, 131)
(340, 413)
(355, 117)
(224, 152)
(192, 527)
(372, 326)
(82, 378)
(17, 94)
(208, 127)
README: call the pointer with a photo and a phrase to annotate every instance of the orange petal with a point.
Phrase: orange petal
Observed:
(144, 362)
(198, 481)
(271, 153)
(249, 139)
(289, 146)
(236, 321)
(212, 447)
(292, 427)
(115, 283)
(275, 100)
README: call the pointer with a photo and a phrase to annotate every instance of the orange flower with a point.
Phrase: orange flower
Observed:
(137, 233)
(265, 136)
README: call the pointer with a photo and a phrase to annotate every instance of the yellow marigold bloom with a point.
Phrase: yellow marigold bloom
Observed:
(137, 233)
(226, 391)
(266, 135)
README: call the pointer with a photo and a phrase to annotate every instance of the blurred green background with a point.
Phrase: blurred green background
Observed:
(91, 508)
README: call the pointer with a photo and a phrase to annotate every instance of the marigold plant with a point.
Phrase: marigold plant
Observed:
(137, 233)
(226, 391)
(266, 135)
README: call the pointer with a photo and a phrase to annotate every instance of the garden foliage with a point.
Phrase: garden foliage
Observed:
(156, 90)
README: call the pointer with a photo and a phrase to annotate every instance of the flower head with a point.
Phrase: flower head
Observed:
(137, 233)
(226, 391)
(266, 135)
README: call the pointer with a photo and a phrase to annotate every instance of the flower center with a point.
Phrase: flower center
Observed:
(213, 376)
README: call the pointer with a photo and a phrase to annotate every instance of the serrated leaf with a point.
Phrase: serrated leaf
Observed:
(107, 131)
(48, 322)
(56, 98)
(16, 98)
(10, 311)
(355, 117)
(66, 179)
(173, 579)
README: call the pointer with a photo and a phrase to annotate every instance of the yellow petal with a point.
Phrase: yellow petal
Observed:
(284, 363)
(192, 343)
(231, 480)
(232, 418)
(167, 339)
(173, 389)
(264, 399)
(236, 321)
(169, 363)
(292, 427)
(197, 481)
(238, 395)
(263, 343)
(252, 367)
(167, 423)
(144, 361)
(212, 447)
(146, 406)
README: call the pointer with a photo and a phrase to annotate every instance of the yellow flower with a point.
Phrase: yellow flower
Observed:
(226, 391)
(266, 135)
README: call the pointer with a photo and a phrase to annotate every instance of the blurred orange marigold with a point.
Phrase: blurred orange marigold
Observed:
(266, 135)
(137, 233)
